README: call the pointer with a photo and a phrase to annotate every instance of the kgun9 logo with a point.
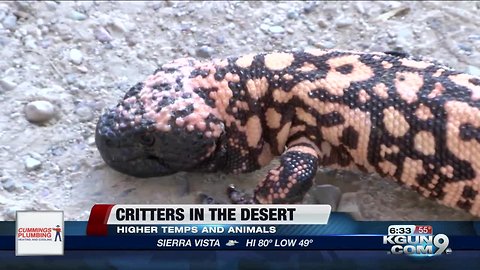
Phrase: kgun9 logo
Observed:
(421, 245)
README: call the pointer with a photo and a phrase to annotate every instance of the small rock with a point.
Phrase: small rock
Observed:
(132, 38)
(322, 23)
(292, 15)
(326, 44)
(473, 37)
(473, 70)
(405, 37)
(309, 8)
(64, 31)
(264, 27)
(229, 17)
(360, 7)
(84, 113)
(102, 35)
(78, 16)
(91, 140)
(327, 194)
(276, 29)
(343, 22)
(108, 45)
(220, 39)
(118, 26)
(51, 5)
(7, 84)
(9, 185)
(10, 22)
(39, 111)
(30, 42)
(465, 47)
(71, 78)
(204, 52)
(32, 164)
(76, 56)
(28, 186)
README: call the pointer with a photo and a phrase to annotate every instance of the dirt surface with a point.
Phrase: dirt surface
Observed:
(82, 57)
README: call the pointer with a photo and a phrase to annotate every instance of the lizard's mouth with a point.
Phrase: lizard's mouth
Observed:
(130, 159)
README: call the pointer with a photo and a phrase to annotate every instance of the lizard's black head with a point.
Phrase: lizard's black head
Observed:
(161, 127)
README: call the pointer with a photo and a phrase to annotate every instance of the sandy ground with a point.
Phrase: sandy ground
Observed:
(81, 57)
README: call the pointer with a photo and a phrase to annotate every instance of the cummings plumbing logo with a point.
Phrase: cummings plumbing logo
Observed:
(39, 233)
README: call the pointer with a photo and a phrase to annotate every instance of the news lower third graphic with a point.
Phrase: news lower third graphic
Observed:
(39, 233)
(230, 227)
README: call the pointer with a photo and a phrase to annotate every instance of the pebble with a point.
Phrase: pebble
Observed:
(71, 78)
(39, 111)
(9, 185)
(220, 39)
(30, 42)
(465, 47)
(132, 38)
(91, 140)
(205, 52)
(292, 15)
(84, 113)
(118, 26)
(326, 44)
(10, 22)
(78, 15)
(276, 29)
(327, 194)
(405, 37)
(343, 22)
(473, 70)
(76, 56)
(7, 84)
(64, 31)
(309, 8)
(264, 27)
(102, 35)
(51, 5)
(321, 23)
(473, 37)
(32, 164)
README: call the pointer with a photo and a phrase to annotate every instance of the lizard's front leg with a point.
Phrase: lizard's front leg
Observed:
(290, 181)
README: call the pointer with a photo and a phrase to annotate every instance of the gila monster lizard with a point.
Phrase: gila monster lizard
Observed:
(407, 119)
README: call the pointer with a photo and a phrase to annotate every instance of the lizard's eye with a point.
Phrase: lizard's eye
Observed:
(147, 139)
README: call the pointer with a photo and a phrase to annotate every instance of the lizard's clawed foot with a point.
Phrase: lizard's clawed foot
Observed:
(239, 197)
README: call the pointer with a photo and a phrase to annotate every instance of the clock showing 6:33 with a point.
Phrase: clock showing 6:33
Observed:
(410, 230)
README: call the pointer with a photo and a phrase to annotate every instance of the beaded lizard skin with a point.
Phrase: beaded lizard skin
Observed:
(411, 120)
